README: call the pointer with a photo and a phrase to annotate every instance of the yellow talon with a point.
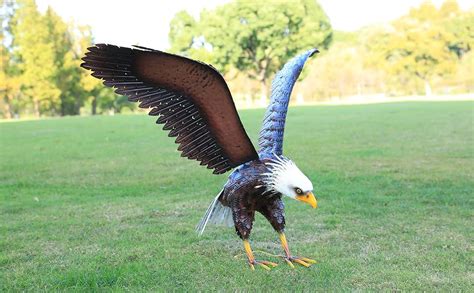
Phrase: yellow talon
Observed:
(302, 262)
(290, 263)
(312, 261)
(251, 259)
(264, 266)
(270, 263)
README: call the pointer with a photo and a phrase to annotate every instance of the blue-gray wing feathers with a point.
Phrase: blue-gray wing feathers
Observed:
(273, 127)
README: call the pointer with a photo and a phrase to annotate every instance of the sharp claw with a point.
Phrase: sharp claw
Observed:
(301, 262)
(290, 263)
(312, 261)
(304, 261)
(263, 263)
(264, 266)
(269, 263)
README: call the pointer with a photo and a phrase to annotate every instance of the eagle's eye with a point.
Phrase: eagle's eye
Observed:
(298, 191)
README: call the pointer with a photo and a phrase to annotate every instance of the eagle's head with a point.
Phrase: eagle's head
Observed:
(285, 177)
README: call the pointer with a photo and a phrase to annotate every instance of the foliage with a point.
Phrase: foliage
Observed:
(107, 204)
(461, 27)
(419, 47)
(465, 73)
(36, 52)
(9, 75)
(99, 98)
(185, 39)
(426, 50)
(40, 67)
(342, 72)
(255, 37)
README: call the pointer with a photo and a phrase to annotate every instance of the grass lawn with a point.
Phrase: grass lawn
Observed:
(107, 203)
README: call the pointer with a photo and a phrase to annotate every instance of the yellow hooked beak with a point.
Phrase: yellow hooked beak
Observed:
(309, 199)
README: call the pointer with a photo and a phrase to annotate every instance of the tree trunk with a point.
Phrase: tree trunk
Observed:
(7, 108)
(62, 106)
(248, 100)
(300, 99)
(94, 105)
(263, 92)
(427, 88)
(36, 108)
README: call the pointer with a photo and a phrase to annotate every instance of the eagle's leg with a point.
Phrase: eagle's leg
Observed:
(304, 261)
(252, 261)
(243, 220)
(274, 211)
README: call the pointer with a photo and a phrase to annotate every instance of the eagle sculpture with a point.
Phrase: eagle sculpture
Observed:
(193, 102)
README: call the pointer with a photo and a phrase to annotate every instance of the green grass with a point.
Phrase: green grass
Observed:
(93, 203)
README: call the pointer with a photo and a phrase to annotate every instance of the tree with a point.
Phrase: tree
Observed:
(37, 57)
(465, 74)
(92, 86)
(427, 48)
(256, 37)
(67, 75)
(9, 75)
(100, 98)
(49, 51)
(342, 72)
(418, 48)
(9, 82)
(461, 27)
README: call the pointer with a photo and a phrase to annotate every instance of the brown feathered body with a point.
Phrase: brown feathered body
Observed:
(246, 193)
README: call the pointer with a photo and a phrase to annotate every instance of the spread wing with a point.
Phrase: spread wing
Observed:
(273, 127)
(190, 98)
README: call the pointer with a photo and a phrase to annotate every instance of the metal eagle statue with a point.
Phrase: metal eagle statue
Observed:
(194, 103)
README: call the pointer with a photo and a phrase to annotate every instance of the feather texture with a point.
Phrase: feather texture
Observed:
(271, 134)
(190, 98)
(216, 214)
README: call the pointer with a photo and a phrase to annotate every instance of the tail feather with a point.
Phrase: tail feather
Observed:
(216, 214)
(202, 224)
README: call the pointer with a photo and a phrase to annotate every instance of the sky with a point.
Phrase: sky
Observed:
(146, 22)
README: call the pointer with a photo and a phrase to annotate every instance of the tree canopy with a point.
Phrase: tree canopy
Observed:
(427, 50)
(255, 37)
(421, 46)
(40, 73)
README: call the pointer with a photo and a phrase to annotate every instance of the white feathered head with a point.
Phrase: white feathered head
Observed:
(285, 177)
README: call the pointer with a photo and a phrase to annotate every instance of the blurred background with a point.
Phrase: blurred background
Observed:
(371, 51)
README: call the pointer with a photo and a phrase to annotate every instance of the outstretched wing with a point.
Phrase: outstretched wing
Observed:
(273, 127)
(191, 99)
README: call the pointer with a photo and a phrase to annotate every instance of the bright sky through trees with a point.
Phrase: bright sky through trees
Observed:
(147, 22)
